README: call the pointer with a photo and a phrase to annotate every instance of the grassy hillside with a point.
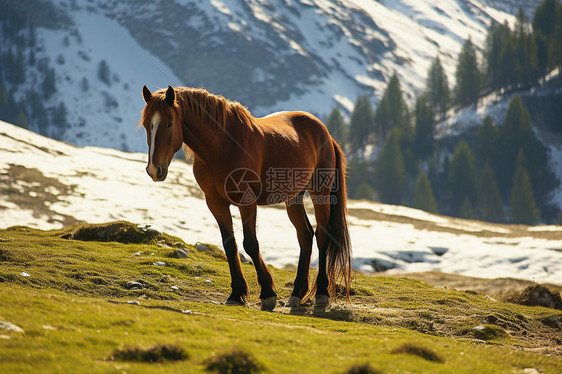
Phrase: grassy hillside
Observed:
(99, 305)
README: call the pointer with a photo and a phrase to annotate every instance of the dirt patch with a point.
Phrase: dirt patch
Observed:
(459, 226)
(29, 189)
(496, 288)
(536, 295)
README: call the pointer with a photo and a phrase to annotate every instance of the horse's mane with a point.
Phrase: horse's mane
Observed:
(214, 109)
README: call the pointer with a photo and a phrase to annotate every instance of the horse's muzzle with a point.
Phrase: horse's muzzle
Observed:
(158, 174)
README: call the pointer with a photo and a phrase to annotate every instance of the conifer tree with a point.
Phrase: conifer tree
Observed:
(425, 128)
(526, 65)
(515, 133)
(389, 170)
(359, 172)
(59, 121)
(461, 175)
(364, 191)
(423, 195)
(21, 121)
(360, 123)
(336, 125)
(489, 204)
(523, 208)
(544, 18)
(49, 83)
(104, 74)
(392, 110)
(437, 88)
(555, 45)
(486, 143)
(466, 211)
(468, 75)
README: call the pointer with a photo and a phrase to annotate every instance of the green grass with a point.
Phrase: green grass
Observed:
(74, 312)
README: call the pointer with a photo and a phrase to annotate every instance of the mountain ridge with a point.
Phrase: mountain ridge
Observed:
(270, 56)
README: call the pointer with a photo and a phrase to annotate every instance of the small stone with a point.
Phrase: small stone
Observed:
(9, 326)
(209, 281)
(159, 263)
(187, 311)
(244, 259)
(201, 247)
(149, 229)
(180, 253)
(24, 274)
(137, 254)
(133, 302)
(175, 288)
(214, 302)
(134, 285)
(178, 245)
(532, 371)
(479, 328)
(153, 230)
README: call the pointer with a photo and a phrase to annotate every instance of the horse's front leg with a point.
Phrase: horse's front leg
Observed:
(221, 212)
(268, 296)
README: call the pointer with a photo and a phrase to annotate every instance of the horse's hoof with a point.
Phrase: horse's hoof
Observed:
(234, 302)
(268, 304)
(294, 302)
(322, 301)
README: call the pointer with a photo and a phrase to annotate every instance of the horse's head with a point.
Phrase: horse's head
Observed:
(161, 121)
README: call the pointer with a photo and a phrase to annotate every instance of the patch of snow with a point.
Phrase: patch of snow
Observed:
(113, 185)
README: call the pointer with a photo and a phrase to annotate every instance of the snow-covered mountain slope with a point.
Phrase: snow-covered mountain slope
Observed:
(269, 55)
(48, 184)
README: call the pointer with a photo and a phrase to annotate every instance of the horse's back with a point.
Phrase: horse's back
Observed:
(296, 139)
(296, 125)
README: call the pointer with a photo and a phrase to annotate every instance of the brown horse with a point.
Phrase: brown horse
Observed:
(246, 161)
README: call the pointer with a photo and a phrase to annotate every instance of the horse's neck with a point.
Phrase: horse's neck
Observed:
(204, 139)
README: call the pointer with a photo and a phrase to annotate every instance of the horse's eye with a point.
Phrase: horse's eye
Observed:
(170, 124)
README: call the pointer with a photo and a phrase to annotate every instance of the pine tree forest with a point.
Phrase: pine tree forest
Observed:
(496, 172)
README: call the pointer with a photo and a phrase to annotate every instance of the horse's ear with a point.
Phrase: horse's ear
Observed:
(146, 94)
(170, 96)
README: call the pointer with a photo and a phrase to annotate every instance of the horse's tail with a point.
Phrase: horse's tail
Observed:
(339, 248)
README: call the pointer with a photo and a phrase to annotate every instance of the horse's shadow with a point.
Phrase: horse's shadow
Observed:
(327, 312)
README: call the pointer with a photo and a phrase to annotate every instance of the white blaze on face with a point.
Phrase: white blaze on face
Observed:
(154, 123)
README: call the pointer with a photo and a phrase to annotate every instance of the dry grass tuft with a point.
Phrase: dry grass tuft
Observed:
(158, 353)
(362, 369)
(234, 362)
(418, 350)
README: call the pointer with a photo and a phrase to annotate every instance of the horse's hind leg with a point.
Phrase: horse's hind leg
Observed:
(268, 296)
(322, 214)
(305, 232)
(221, 211)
